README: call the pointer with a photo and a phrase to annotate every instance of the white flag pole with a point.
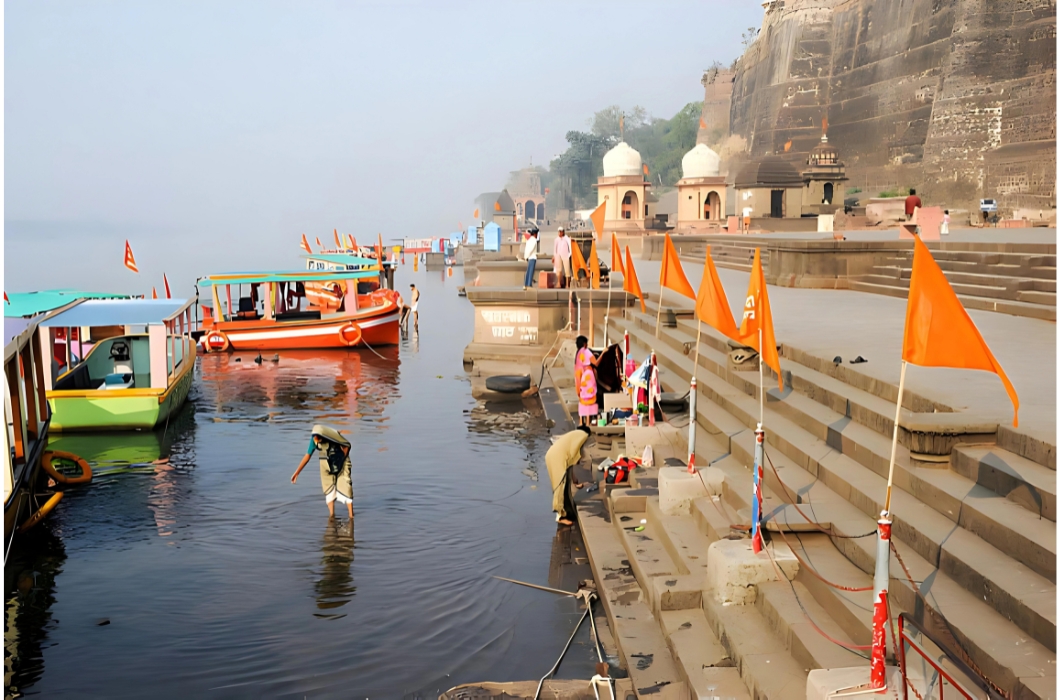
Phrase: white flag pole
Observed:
(894, 438)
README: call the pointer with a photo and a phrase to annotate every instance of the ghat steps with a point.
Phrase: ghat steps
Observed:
(978, 534)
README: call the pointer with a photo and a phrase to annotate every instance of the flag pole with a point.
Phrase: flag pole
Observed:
(658, 316)
(607, 314)
(894, 439)
(699, 332)
(762, 385)
(592, 319)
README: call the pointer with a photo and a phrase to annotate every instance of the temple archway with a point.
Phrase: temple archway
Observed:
(630, 205)
(828, 193)
(541, 211)
(531, 210)
(712, 207)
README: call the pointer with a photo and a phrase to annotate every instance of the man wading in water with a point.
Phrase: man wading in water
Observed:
(335, 467)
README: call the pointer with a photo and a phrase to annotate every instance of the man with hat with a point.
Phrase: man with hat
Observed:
(335, 467)
(561, 257)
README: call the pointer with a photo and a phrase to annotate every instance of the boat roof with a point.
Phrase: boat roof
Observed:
(341, 258)
(33, 303)
(286, 276)
(116, 312)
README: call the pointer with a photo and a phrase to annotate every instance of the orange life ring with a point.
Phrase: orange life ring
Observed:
(350, 333)
(215, 341)
(60, 478)
(42, 512)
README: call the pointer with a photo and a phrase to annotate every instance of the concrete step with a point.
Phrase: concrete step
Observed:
(1027, 483)
(1032, 296)
(1013, 308)
(998, 521)
(706, 666)
(1044, 285)
(931, 533)
(653, 671)
(793, 612)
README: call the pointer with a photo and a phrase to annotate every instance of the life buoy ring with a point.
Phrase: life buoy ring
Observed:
(42, 512)
(60, 478)
(215, 341)
(350, 334)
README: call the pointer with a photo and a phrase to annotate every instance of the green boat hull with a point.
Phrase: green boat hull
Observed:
(116, 409)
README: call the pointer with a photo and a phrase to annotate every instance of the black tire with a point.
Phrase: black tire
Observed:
(672, 398)
(508, 383)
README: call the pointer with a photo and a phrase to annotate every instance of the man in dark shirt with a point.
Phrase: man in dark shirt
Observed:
(911, 203)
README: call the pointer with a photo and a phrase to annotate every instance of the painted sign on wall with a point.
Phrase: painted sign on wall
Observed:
(502, 325)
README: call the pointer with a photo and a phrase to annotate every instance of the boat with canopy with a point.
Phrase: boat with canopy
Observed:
(136, 372)
(301, 309)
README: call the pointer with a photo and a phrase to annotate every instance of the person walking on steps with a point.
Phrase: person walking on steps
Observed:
(560, 459)
(912, 203)
(530, 255)
(335, 467)
(561, 258)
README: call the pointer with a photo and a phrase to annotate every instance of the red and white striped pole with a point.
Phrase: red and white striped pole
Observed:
(878, 664)
(692, 427)
(756, 503)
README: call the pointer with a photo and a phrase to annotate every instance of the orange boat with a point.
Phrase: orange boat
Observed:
(299, 310)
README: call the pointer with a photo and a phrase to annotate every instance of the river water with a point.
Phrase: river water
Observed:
(192, 567)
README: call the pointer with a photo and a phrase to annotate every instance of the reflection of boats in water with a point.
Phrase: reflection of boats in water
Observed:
(27, 418)
(29, 593)
(127, 380)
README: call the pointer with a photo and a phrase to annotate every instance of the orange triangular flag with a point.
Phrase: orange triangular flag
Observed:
(824, 124)
(577, 260)
(305, 245)
(594, 266)
(702, 124)
(165, 280)
(319, 244)
(671, 275)
(353, 243)
(597, 217)
(630, 283)
(496, 206)
(939, 332)
(712, 307)
(154, 294)
(350, 243)
(338, 241)
(644, 167)
(6, 299)
(616, 255)
(130, 261)
(476, 214)
(757, 316)
(787, 146)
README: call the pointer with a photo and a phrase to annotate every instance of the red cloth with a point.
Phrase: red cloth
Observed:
(911, 203)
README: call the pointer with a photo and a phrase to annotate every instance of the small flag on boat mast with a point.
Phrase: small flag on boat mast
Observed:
(165, 280)
(305, 245)
(319, 244)
(154, 293)
(6, 299)
(338, 241)
(130, 261)
(350, 243)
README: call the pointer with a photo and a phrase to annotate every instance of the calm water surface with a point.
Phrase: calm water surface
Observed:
(192, 567)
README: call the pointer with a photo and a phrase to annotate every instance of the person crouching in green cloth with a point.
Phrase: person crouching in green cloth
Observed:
(335, 467)
(565, 452)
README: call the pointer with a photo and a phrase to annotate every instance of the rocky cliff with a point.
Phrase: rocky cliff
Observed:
(954, 97)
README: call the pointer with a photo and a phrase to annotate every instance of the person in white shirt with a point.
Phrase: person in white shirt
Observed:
(561, 258)
(530, 255)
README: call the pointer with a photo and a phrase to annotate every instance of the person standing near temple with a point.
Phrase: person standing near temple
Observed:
(530, 255)
(912, 203)
(561, 257)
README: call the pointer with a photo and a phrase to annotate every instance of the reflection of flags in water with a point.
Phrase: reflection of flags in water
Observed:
(130, 261)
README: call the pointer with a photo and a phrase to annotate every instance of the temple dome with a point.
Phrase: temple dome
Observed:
(622, 161)
(823, 154)
(701, 161)
(771, 172)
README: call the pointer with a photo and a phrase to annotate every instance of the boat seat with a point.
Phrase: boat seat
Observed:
(119, 354)
(246, 308)
(118, 381)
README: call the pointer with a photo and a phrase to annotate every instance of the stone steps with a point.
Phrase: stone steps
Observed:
(1013, 308)
(706, 666)
(853, 489)
(1027, 483)
(1005, 525)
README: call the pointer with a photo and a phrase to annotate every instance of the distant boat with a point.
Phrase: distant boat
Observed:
(28, 417)
(128, 379)
(321, 307)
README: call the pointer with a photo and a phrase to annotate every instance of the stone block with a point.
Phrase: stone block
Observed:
(714, 479)
(826, 683)
(734, 570)
(677, 490)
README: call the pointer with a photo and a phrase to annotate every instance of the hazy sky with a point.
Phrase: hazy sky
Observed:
(212, 134)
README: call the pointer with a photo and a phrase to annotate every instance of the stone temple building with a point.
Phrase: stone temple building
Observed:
(525, 190)
(624, 189)
(700, 191)
(769, 188)
(496, 207)
(823, 180)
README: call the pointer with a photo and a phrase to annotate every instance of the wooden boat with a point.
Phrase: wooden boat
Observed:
(129, 379)
(305, 309)
(27, 417)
